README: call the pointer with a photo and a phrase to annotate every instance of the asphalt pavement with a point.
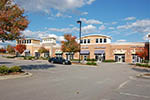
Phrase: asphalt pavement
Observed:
(107, 81)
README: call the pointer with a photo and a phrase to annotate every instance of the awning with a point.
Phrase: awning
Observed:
(99, 52)
(27, 50)
(58, 53)
(69, 53)
(84, 52)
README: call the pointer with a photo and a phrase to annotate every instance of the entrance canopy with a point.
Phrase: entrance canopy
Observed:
(27, 50)
(85, 52)
(98, 52)
(58, 52)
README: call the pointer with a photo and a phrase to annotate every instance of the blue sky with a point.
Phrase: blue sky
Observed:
(124, 20)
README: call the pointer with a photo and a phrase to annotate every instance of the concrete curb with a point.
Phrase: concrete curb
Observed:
(26, 74)
(142, 69)
(143, 75)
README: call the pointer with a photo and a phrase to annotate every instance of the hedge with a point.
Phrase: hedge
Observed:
(143, 65)
(91, 63)
(6, 70)
(109, 61)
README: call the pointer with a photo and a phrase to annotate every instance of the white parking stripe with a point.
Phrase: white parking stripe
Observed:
(135, 95)
(123, 84)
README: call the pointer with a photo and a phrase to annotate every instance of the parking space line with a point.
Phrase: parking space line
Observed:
(123, 84)
(135, 95)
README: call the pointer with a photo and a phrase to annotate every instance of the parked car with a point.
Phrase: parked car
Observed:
(59, 60)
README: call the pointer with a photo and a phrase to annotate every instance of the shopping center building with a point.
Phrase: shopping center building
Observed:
(97, 47)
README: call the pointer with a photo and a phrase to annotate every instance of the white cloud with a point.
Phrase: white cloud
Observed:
(84, 13)
(90, 2)
(89, 29)
(85, 29)
(64, 30)
(62, 15)
(146, 37)
(130, 18)
(111, 28)
(114, 23)
(141, 26)
(122, 40)
(102, 27)
(4, 44)
(47, 5)
(40, 34)
(91, 21)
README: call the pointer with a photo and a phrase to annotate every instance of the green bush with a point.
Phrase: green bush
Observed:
(91, 60)
(91, 63)
(109, 61)
(44, 58)
(10, 56)
(15, 69)
(4, 69)
(29, 58)
(143, 65)
(145, 61)
(74, 59)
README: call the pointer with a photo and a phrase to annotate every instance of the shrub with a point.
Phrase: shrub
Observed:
(10, 56)
(91, 59)
(109, 61)
(145, 61)
(15, 69)
(143, 65)
(91, 63)
(74, 59)
(4, 69)
(29, 58)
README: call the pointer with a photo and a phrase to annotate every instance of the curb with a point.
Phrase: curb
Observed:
(26, 74)
(142, 75)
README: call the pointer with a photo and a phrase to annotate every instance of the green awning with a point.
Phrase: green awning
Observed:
(58, 52)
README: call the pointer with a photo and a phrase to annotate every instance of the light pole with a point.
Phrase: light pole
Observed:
(148, 48)
(79, 22)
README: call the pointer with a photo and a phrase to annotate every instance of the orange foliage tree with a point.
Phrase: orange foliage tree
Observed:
(20, 48)
(70, 44)
(143, 53)
(2, 50)
(12, 20)
(10, 49)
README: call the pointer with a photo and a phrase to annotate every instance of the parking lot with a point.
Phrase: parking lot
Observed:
(107, 81)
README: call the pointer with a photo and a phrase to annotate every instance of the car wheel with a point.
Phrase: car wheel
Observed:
(63, 63)
(52, 62)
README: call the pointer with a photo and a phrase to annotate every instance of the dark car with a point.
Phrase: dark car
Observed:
(59, 60)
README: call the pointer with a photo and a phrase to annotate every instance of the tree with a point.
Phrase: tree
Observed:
(2, 50)
(143, 53)
(20, 48)
(42, 50)
(10, 49)
(12, 20)
(70, 44)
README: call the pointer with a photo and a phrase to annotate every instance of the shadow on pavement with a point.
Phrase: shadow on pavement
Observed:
(141, 70)
(5, 62)
(42, 66)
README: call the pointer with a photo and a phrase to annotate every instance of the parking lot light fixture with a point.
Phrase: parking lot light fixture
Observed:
(79, 22)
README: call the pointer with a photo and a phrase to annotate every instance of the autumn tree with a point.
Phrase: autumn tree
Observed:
(2, 50)
(70, 44)
(42, 50)
(12, 20)
(143, 53)
(10, 49)
(20, 48)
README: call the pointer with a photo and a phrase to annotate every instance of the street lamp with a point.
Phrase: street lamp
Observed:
(79, 22)
(148, 35)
